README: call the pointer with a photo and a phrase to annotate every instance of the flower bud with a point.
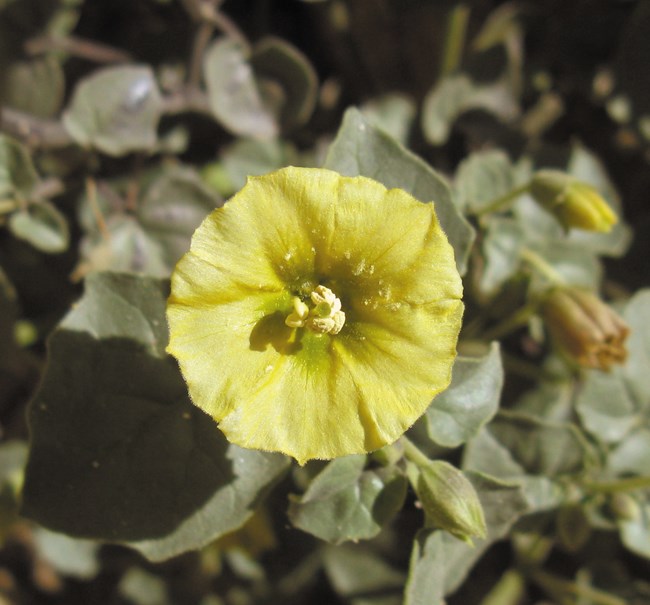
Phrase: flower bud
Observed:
(624, 507)
(572, 202)
(584, 328)
(449, 500)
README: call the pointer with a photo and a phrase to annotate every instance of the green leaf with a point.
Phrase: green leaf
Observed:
(484, 453)
(36, 86)
(483, 177)
(635, 371)
(344, 502)
(632, 455)
(636, 533)
(42, 225)
(391, 113)
(440, 563)
(607, 408)
(502, 246)
(152, 239)
(457, 94)
(143, 588)
(250, 157)
(281, 64)
(172, 208)
(469, 402)
(610, 405)
(116, 110)
(233, 91)
(355, 571)
(17, 172)
(69, 556)
(361, 149)
(112, 427)
(540, 447)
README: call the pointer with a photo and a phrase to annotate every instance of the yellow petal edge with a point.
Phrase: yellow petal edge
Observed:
(316, 315)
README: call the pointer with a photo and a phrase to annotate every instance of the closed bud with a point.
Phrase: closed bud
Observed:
(585, 329)
(449, 500)
(572, 202)
(624, 507)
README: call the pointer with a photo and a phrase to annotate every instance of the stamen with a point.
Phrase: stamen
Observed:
(325, 317)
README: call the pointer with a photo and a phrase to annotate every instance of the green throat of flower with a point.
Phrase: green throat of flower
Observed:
(324, 316)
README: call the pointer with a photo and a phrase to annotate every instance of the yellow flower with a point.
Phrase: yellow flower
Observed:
(316, 315)
(572, 202)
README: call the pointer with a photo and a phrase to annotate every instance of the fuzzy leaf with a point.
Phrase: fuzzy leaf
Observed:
(112, 427)
(610, 405)
(344, 502)
(282, 64)
(115, 110)
(469, 402)
(17, 172)
(234, 95)
(483, 177)
(42, 225)
(457, 94)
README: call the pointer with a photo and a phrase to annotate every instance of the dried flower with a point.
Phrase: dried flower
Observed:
(572, 202)
(585, 329)
(316, 315)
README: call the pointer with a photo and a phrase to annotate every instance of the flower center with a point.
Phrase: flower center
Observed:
(324, 317)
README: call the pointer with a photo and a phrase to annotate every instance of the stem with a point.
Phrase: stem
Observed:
(91, 195)
(47, 188)
(224, 24)
(201, 41)
(77, 47)
(501, 203)
(38, 132)
(556, 586)
(542, 266)
(617, 485)
(455, 39)
(510, 324)
(413, 453)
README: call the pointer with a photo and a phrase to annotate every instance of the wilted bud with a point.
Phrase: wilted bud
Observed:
(584, 328)
(572, 202)
(449, 500)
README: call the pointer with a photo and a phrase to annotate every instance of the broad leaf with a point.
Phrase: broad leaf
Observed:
(346, 502)
(469, 402)
(112, 427)
(610, 405)
(457, 94)
(362, 576)
(392, 113)
(483, 177)
(153, 238)
(636, 533)
(115, 110)
(281, 64)
(36, 86)
(233, 90)
(42, 225)
(361, 149)
(70, 556)
(17, 172)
